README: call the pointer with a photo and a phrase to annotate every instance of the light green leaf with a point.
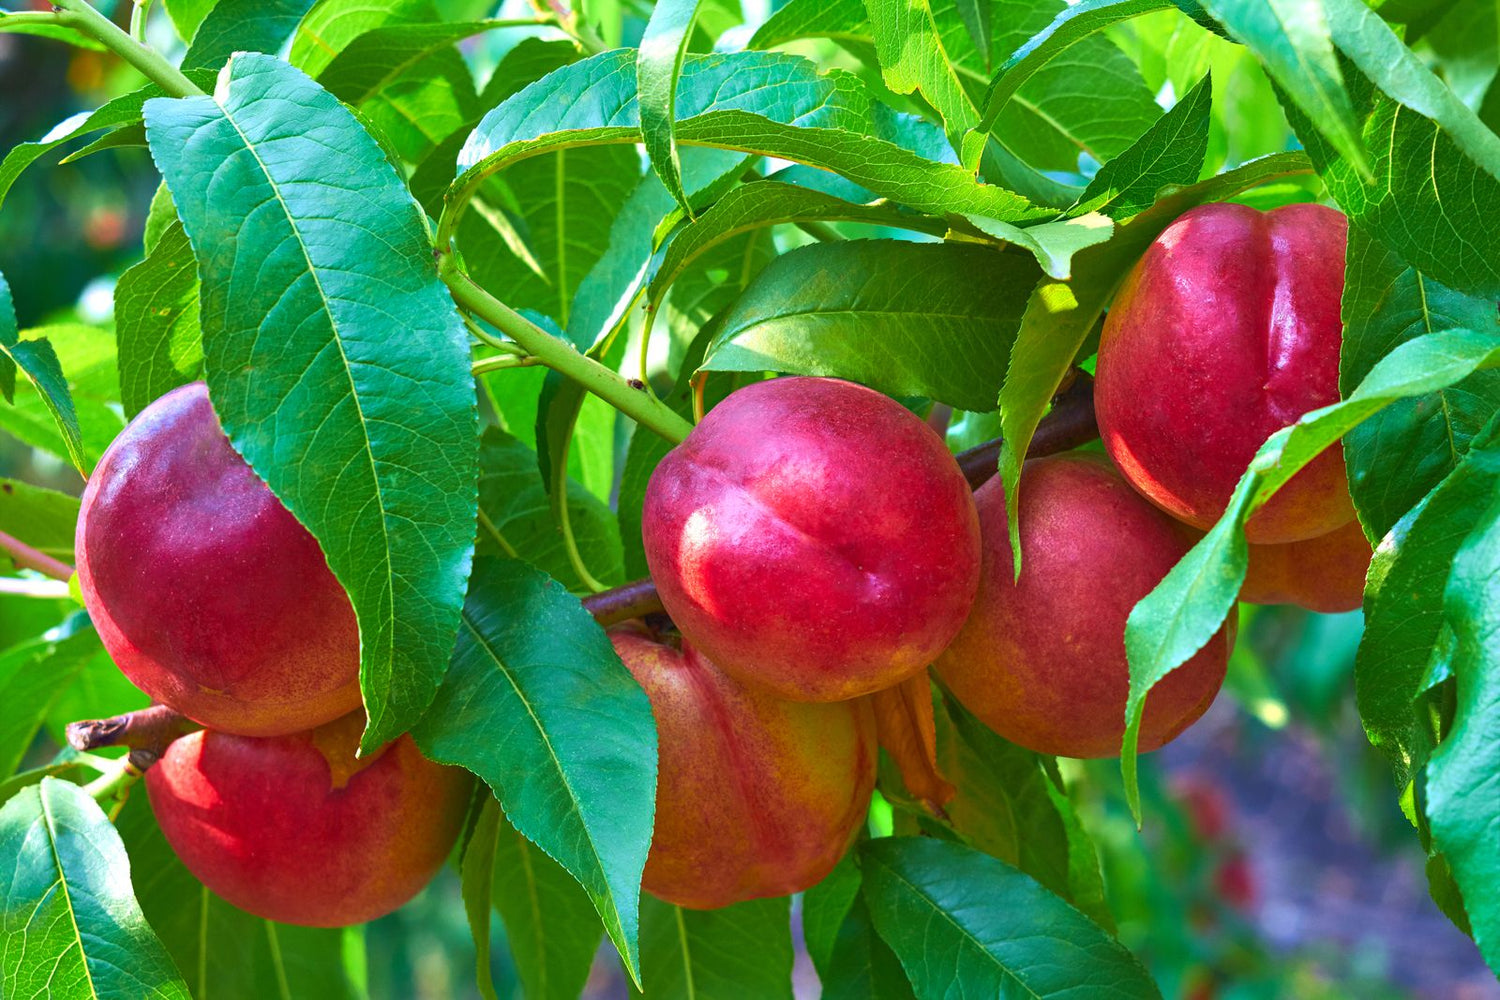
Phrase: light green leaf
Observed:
(33, 675)
(242, 26)
(1177, 618)
(910, 46)
(1052, 243)
(156, 322)
(539, 706)
(657, 66)
(909, 319)
(335, 358)
(1291, 38)
(72, 925)
(962, 922)
(37, 360)
(45, 518)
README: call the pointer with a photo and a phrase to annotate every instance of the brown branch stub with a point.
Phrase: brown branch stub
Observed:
(632, 600)
(29, 558)
(1068, 424)
(147, 732)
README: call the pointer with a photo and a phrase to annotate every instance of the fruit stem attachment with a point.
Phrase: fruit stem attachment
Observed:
(561, 356)
(631, 600)
(147, 732)
(81, 16)
(29, 558)
(113, 786)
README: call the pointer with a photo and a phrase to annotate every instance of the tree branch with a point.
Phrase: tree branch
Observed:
(80, 16)
(29, 558)
(147, 732)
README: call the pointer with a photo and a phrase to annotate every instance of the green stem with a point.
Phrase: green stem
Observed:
(562, 356)
(820, 231)
(9, 18)
(138, 15)
(79, 15)
(114, 783)
(502, 362)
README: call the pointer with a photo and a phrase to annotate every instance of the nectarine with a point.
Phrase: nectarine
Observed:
(1041, 661)
(814, 537)
(1326, 573)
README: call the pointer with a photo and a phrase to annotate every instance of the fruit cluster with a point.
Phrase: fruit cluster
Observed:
(813, 543)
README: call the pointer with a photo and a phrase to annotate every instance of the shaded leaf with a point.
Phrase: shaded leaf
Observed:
(33, 675)
(658, 64)
(156, 322)
(44, 518)
(707, 954)
(242, 26)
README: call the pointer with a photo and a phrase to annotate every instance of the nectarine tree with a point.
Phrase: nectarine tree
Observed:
(623, 470)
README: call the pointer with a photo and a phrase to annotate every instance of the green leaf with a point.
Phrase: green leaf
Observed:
(368, 437)
(909, 45)
(852, 961)
(539, 706)
(226, 953)
(753, 102)
(1171, 152)
(187, 15)
(1404, 609)
(242, 26)
(65, 765)
(1291, 38)
(909, 319)
(738, 952)
(156, 322)
(1177, 618)
(1462, 801)
(1401, 453)
(657, 67)
(375, 60)
(963, 922)
(46, 519)
(1060, 315)
(1052, 243)
(550, 925)
(1071, 26)
(33, 675)
(34, 355)
(518, 522)
(477, 873)
(1010, 805)
(1436, 165)
(770, 203)
(72, 925)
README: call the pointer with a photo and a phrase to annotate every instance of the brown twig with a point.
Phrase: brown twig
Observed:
(147, 732)
(29, 558)
(1068, 424)
(632, 600)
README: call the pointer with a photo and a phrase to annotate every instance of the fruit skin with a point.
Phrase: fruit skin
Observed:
(814, 537)
(207, 592)
(1227, 330)
(1042, 662)
(1324, 574)
(755, 796)
(294, 828)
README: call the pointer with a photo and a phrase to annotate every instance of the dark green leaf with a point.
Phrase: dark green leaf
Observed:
(852, 961)
(909, 319)
(1462, 800)
(9, 333)
(242, 26)
(518, 521)
(550, 924)
(1170, 153)
(1436, 166)
(539, 706)
(335, 358)
(742, 952)
(58, 411)
(44, 518)
(226, 953)
(963, 922)
(1397, 456)
(478, 874)
(71, 923)
(1177, 618)
(156, 322)
(65, 765)
(1404, 610)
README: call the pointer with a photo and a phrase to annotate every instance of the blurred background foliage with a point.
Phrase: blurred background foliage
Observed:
(1275, 862)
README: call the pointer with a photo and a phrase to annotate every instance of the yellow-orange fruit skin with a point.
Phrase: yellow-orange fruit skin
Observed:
(1041, 661)
(1325, 574)
(755, 796)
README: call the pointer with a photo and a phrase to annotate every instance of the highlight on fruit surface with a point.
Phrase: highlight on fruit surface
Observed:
(1227, 330)
(814, 537)
(294, 828)
(207, 592)
(1041, 660)
(755, 796)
